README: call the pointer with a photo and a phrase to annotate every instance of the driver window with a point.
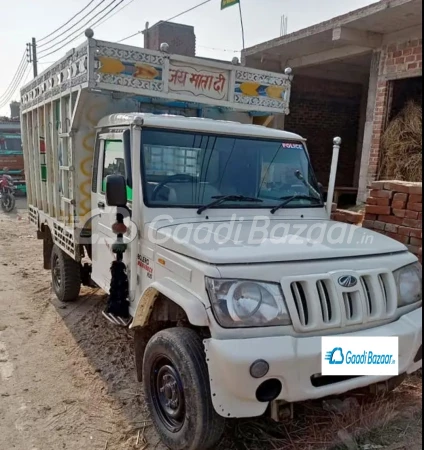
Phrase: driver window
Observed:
(113, 163)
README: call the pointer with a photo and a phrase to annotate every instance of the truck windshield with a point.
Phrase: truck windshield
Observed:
(186, 169)
(10, 142)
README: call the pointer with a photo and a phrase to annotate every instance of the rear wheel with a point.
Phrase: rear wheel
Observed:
(8, 202)
(66, 276)
(177, 391)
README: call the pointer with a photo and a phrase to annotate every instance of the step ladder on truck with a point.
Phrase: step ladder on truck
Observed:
(138, 165)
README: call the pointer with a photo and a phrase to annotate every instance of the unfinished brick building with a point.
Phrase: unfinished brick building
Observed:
(352, 75)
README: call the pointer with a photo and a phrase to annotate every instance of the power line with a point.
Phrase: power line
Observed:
(188, 10)
(129, 37)
(7, 96)
(68, 22)
(83, 27)
(219, 49)
(23, 82)
(13, 89)
(26, 76)
(169, 20)
(115, 13)
(73, 26)
(15, 76)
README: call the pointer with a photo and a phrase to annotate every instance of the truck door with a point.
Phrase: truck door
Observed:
(111, 161)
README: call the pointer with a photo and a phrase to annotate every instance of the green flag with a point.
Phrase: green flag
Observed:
(228, 3)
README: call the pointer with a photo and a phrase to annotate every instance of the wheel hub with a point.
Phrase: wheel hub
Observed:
(169, 395)
(56, 272)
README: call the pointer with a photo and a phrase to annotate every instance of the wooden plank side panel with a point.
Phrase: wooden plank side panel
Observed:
(71, 159)
(34, 170)
(48, 146)
(27, 161)
(55, 160)
(41, 156)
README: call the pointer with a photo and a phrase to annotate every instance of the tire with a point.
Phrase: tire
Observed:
(66, 276)
(8, 202)
(175, 370)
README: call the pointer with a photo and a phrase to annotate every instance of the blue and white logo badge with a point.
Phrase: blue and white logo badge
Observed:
(360, 356)
(335, 356)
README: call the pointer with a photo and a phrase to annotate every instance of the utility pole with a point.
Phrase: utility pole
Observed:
(34, 57)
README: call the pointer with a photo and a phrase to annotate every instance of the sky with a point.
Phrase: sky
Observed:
(218, 32)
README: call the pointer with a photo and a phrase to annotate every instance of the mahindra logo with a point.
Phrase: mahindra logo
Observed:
(348, 281)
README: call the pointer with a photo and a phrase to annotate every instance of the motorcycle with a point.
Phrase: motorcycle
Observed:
(7, 193)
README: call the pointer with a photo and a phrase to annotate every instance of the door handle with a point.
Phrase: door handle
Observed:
(101, 205)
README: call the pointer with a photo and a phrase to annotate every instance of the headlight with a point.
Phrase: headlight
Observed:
(239, 304)
(409, 283)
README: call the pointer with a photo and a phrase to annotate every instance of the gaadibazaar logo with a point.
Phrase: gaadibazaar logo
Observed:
(337, 356)
(360, 356)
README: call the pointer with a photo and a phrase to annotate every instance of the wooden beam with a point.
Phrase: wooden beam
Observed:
(268, 121)
(334, 54)
(264, 121)
(346, 74)
(361, 38)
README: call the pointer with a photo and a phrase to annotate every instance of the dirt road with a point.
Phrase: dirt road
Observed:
(67, 379)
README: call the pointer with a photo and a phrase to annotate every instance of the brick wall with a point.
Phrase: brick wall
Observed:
(345, 216)
(398, 60)
(321, 110)
(394, 208)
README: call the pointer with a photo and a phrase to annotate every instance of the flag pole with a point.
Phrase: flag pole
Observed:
(242, 25)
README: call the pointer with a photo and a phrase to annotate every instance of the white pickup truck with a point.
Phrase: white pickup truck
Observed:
(211, 236)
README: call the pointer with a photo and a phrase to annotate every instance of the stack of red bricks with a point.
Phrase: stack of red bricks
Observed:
(345, 216)
(394, 208)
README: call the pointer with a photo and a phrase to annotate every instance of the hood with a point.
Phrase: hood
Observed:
(248, 242)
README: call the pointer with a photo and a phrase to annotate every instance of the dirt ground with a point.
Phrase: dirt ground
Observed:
(67, 378)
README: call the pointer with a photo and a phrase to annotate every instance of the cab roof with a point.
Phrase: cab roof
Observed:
(196, 124)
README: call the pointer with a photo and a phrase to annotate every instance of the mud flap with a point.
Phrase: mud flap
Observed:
(141, 339)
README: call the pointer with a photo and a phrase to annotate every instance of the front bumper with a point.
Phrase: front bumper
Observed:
(293, 361)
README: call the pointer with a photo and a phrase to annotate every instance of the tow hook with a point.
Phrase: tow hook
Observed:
(282, 411)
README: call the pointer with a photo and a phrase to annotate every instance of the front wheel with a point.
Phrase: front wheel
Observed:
(177, 391)
(8, 202)
(66, 275)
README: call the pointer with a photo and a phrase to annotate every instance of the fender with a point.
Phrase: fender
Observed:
(192, 305)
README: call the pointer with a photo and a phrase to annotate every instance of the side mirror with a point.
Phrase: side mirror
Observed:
(116, 191)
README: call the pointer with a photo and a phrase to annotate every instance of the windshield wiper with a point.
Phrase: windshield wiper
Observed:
(219, 199)
(300, 177)
(289, 199)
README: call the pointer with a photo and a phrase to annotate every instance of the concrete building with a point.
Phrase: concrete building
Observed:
(15, 110)
(180, 38)
(352, 74)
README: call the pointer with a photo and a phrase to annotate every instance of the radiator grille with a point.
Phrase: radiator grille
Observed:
(320, 302)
